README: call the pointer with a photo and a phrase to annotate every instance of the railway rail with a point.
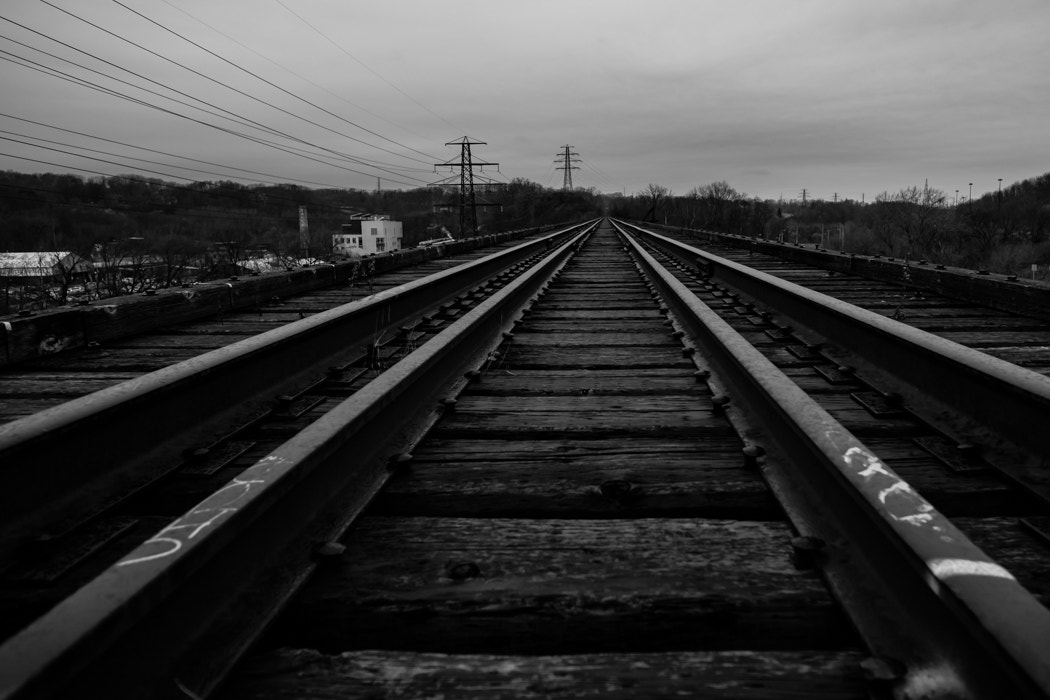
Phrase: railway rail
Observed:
(608, 477)
(51, 357)
(1001, 315)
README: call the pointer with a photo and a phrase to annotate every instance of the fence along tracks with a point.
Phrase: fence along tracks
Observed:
(716, 580)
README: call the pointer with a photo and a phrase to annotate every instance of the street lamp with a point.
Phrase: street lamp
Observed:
(956, 198)
(970, 200)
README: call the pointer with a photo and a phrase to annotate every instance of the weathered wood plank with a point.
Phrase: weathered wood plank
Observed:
(498, 382)
(203, 342)
(114, 359)
(705, 483)
(1023, 552)
(525, 357)
(954, 494)
(644, 404)
(13, 410)
(637, 295)
(618, 452)
(991, 338)
(862, 423)
(539, 415)
(594, 305)
(551, 586)
(1034, 358)
(541, 313)
(991, 324)
(542, 423)
(597, 340)
(610, 325)
(249, 325)
(66, 385)
(398, 675)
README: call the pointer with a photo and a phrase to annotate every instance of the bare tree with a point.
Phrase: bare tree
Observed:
(656, 197)
(912, 221)
(176, 257)
(717, 206)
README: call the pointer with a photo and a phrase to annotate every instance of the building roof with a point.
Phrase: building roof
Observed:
(40, 263)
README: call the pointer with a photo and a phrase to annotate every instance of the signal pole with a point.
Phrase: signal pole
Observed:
(467, 198)
(566, 160)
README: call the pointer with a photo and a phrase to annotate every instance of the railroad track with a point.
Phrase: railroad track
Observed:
(60, 359)
(1000, 315)
(593, 484)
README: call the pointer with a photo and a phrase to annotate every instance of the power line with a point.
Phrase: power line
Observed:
(362, 64)
(242, 121)
(165, 153)
(292, 72)
(602, 177)
(222, 84)
(151, 162)
(272, 84)
(53, 72)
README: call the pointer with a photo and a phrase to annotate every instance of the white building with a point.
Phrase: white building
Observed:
(367, 235)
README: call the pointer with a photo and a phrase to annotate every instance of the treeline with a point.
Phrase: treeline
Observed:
(1005, 231)
(101, 237)
(68, 212)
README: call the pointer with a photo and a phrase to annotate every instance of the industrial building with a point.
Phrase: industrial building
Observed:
(366, 235)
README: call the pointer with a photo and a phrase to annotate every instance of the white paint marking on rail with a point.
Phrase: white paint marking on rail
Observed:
(899, 487)
(897, 495)
(872, 464)
(947, 568)
(172, 537)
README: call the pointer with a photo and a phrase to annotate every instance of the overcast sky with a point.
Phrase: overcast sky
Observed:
(772, 96)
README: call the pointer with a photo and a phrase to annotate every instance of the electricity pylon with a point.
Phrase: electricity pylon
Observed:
(468, 204)
(566, 160)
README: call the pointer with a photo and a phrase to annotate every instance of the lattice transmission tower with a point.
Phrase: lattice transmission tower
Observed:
(566, 159)
(468, 203)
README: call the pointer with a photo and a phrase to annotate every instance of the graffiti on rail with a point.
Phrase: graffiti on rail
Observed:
(948, 568)
(172, 538)
(901, 500)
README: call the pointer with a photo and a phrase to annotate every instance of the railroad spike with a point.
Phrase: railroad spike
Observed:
(807, 551)
(463, 570)
(329, 550)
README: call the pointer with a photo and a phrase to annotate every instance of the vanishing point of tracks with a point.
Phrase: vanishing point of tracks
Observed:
(606, 479)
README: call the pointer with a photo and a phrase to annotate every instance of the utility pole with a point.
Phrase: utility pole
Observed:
(468, 204)
(803, 196)
(566, 159)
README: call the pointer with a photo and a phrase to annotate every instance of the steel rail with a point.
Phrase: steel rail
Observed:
(24, 338)
(942, 618)
(184, 605)
(69, 460)
(991, 393)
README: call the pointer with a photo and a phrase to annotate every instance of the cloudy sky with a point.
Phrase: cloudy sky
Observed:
(836, 97)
